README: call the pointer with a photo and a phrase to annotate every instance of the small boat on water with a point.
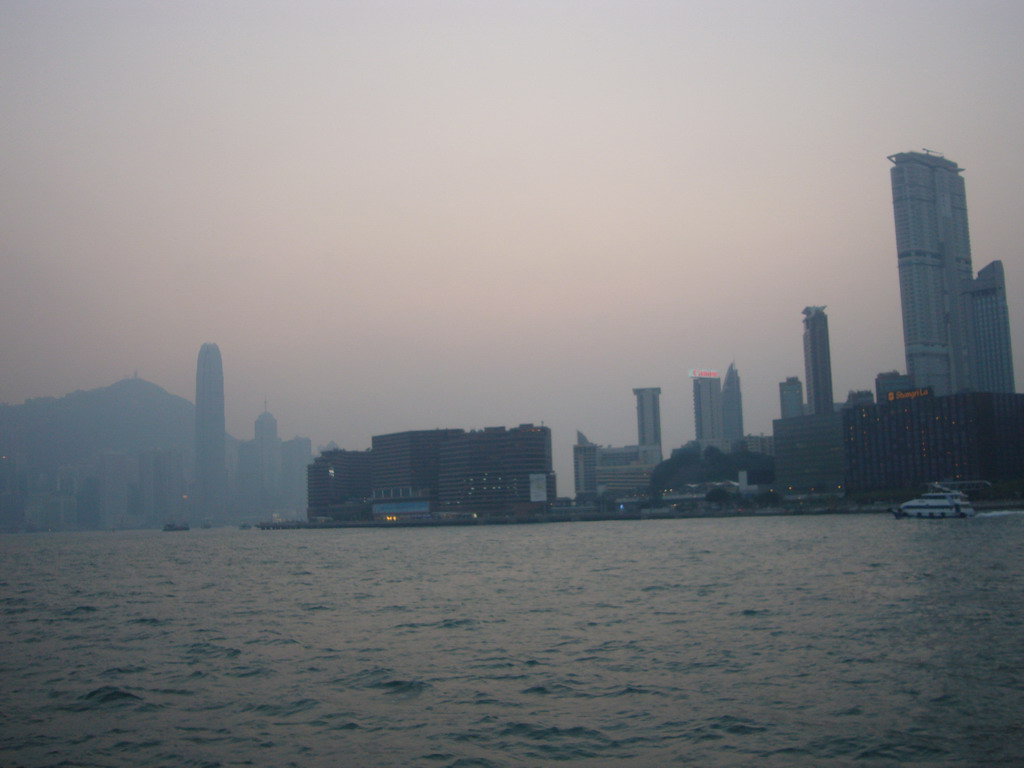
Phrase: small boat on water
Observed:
(940, 503)
(176, 527)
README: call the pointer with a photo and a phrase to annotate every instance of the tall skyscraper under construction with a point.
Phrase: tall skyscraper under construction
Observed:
(955, 329)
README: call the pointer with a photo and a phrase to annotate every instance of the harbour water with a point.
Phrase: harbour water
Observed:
(822, 641)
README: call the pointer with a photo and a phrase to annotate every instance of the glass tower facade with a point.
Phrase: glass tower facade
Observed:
(817, 361)
(955, 333)
(210, 493)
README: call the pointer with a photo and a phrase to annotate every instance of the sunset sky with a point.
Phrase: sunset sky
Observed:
(407, 215)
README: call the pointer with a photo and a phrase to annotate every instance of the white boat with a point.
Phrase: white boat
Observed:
(937, 504)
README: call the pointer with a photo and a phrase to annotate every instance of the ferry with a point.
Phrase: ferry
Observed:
(939, 503)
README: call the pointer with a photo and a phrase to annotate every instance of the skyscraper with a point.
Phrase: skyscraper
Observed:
(933, 248)
(732, 406)
(210, 493)
(648, 423)
(584, 461)
(955, 333)
(268, 458)
(791, 397)
(817, 361)
(707, 407)
(296, 455)
(991, 355)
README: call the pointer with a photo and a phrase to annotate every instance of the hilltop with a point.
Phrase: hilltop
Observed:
(129, 416)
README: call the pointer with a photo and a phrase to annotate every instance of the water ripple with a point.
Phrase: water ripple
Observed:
(825, 641)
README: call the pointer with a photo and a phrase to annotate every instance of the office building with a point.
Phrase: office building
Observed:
(405, 464)
(210, 475)
(451, 473)
(889, 383)
(921, 438)
(495, 472)
(809, 454)
(761, 444)
(791, 397)
(339, 483)
(584, 464)
(707, 408)
(817, 361)
(955, 331)
(648, 423)
(732, 407)
(934, 254)
(268, 457)
(992, 357)
(272, 476)
(610, 469)
(296, 454)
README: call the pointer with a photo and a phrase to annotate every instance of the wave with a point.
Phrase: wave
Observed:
(1001, 513)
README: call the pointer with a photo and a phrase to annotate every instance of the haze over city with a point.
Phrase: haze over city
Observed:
(396, 216)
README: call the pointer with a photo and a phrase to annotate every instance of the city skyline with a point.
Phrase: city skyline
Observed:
(391, 218)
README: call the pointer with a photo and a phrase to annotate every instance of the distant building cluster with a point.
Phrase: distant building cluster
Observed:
(267, 476)
(626, 470)
(140, 463)
(954, 416)
(717, 408)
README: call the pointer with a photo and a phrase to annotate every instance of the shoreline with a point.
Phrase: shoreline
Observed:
(558, 518)
(591, 517)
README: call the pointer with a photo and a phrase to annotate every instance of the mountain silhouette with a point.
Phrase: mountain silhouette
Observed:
(129, 416)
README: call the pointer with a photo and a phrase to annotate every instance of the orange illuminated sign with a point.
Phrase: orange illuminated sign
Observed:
(910, 394)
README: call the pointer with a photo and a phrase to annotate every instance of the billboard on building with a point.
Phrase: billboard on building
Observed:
(538, 487)
(909, 394)
(703, 373)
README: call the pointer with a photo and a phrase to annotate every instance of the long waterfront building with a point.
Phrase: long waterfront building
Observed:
(917, 438)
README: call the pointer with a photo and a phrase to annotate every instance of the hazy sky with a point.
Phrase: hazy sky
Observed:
(407, 215)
